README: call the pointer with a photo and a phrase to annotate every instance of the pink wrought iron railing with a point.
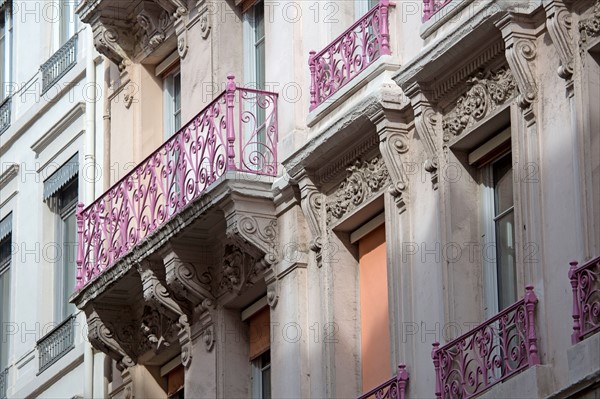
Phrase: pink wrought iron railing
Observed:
(585, 282)
(178, 173)
(349, 54)
(490, 353)
(394, 388)
(430, 7)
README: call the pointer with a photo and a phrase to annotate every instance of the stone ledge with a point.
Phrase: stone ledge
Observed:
(535, 382)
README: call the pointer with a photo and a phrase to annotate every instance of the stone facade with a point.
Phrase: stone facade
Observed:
(410, 142)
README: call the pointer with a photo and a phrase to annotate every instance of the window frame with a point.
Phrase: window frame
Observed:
(63, 28)
(5, 273)
(62, 308)
(6, 52)
(259, 367)
(489, 219)
(169, 99)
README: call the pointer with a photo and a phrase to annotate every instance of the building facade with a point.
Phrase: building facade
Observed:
(338, 199)
(49, 113)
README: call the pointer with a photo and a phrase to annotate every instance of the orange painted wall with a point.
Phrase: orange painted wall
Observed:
(374, 320)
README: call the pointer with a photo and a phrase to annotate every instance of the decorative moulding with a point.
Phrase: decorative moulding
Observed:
(56, 130)
(363, 181)
(487, 91)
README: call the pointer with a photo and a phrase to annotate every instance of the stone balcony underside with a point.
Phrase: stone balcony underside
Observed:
(139, 30)
(218, 251)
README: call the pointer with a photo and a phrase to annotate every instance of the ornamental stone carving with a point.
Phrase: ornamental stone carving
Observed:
(520, 50)
(487, 91)
(154, 22)
(103, 338)
(589, 27)
(364, 180)
(559, 27)
(311, 202)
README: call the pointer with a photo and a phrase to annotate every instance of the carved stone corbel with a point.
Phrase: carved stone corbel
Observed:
(559, 23)
(103, 339)
(256, 229)
(154, 22)
(520, 49)
(178, 8)
(181, 33)
(311, 203)
(110, 41)
(393, 142)
(203, 9)
(273, 294)
(426, 124)
(162, 313)
(182, 277)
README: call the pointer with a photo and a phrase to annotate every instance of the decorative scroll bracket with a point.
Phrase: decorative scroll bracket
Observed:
(559, 25)
(311, 202)
(113, 42)
(393, 142)
(102, 338)
(251, 222)
(520, 49)
(426, 124)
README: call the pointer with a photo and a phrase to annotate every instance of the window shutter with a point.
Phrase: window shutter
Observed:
(175, 380)
(260, 332)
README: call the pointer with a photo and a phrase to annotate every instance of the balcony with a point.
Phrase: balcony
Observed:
(430, 7)
(394, 388)
(236, 132)
(585, 282)
(56, 343)
(59, 64)
(349, 54)
(5, 115)
(489, 354)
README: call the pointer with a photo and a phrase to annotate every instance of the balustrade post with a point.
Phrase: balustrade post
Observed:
(576, 335)
(313, 80)
(79, 261)
(402, 378)
(384, 31)
(230, 127)
(530, 301)
(427, 9)
(436, 364)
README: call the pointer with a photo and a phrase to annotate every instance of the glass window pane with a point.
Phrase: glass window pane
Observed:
(259, 22)
(69, 264)
(505, 260)
(503, 184)
(177, 102)
(266, 375)
(4, 313)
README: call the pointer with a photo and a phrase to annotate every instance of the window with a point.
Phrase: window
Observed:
(498, 219)
(60, 193)
(175, 383)
(65, 21)
(67, 233)
(254, 72)
(172, 90)
(254, 46)
(261, 376)
(5, 50)
(361, 7)
(374, 313)
(258, 317)
(5, 257)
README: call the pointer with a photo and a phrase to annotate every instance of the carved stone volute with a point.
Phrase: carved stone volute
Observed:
(559, 23)
(520, 48)
(426, 125)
